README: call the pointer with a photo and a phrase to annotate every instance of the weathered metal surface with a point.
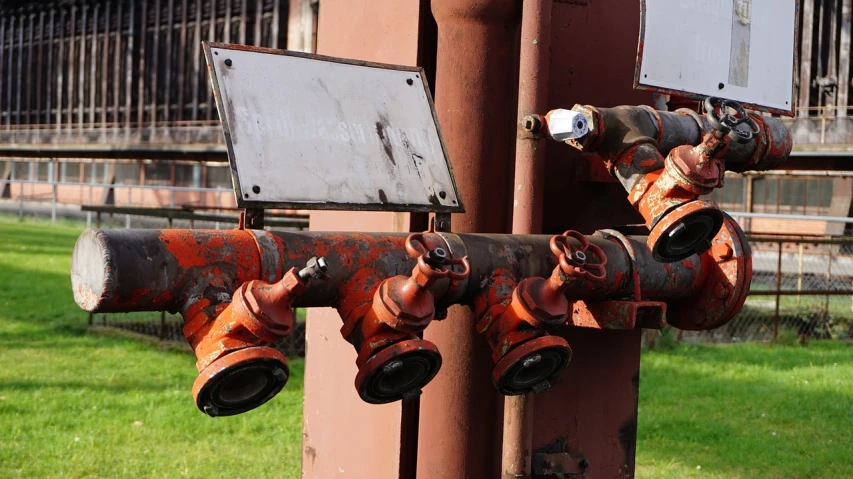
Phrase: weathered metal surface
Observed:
(238, 372)
(401, 308)
(728, 274)
(166, 263)
(633, 140)
(196, 272)
(475, 90)
(342, 134)
(389, 31)
(619, 315)
(752, 62)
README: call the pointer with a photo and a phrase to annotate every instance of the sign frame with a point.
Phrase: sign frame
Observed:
(244, 202)
(638, 84)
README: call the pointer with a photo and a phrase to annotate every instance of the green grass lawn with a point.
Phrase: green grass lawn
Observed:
(78, 404)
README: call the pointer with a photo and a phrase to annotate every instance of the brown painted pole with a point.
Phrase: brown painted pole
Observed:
(475, 95)
(529, 191)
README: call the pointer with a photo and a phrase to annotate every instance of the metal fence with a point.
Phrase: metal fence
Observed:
(169, 327)
(802, 288)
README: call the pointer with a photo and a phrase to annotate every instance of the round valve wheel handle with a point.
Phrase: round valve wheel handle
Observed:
(417, 248)
(726, 123)
(573, 265)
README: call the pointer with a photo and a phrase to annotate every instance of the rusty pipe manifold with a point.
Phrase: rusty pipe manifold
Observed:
(667, 161)
(215, 279)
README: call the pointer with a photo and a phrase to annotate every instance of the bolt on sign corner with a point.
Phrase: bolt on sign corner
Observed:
(313, 132)
(742, 50)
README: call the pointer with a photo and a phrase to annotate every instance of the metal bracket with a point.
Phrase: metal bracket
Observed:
(253, 219)
(440, 223)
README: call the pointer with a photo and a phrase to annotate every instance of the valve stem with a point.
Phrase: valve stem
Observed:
(436, 257)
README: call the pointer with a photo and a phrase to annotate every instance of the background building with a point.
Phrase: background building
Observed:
(108, 102)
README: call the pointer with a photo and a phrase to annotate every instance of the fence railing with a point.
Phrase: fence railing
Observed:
(801, 286)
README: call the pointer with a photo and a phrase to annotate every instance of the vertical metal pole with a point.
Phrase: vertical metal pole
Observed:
(155, 57)
(778, 289)
(211, 35)
(21, 203)
(844, 58)
(243, 15)
(53, 188)
(182, 61)
(29, 91)
(750, 201)
(196, 47)
(529, 192)
(167, 79)
(40, 70)
(19, 91)
(72, 57)
(49, 79)
(828, 277)
(227, 24)
(20, 70)
(81, 76)
(474, 99)
(259, 21)
(9, 71)
(93, 67)
(128, 67)
(3, 70)
(140, 93)
(117, 69)
(800, 272)
(806, 58)
(105, 66)
(274, 25)
(832, 66)
(162, 325)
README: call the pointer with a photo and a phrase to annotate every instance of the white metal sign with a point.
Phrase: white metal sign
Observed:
(312, 132)
(742, 50)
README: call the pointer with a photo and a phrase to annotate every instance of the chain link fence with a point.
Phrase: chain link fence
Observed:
(802, 289)
(169, 327)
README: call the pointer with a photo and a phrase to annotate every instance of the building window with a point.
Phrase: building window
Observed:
(127, 174)
(70, 172)
(158, 174)
(218, 177)
(188, 175)
(21, 171)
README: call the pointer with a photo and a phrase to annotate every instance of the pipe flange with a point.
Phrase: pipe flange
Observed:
(729, 266)
(685, 231)
(398, 371)
(240, 381)
(532, 366)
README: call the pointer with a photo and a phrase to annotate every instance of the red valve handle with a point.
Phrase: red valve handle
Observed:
(560, 247)
(417, 248)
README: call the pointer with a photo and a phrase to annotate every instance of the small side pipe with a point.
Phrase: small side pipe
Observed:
(529, 195)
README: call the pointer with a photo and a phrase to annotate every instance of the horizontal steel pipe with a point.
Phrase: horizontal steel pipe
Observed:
(169, 270)
(618, 129)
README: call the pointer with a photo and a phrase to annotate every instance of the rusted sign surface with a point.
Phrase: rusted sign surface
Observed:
(314, 132)
(741, 50)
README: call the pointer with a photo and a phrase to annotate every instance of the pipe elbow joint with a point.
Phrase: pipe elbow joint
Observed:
(238, 371)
